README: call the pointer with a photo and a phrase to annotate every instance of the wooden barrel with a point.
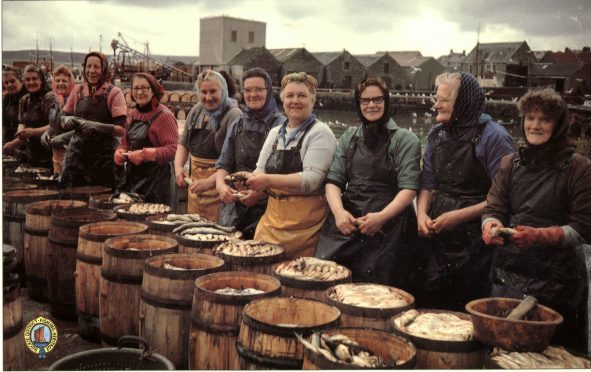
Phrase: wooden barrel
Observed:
(128, 98)
(45, 183)
(194, 97)
(101, 201)
(196, 246)
(267, 339)
(253, 264)
(438, 354)
(161, 229)
(85, 192)
(12, 316)
(215, 317)
(182, 195)
(165, 97)
(37, 224)
(14, 204)
(185, 96)
(121, 280)
(174, 96)
(396, 352)
(181, 115)
(123, 213)
(89, 258)
(63, 241)
(313, 289)
(10, 181)
(17, 186)
(370, 317)
(167, 295)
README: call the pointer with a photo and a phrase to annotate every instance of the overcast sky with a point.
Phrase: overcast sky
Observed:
(360, 26)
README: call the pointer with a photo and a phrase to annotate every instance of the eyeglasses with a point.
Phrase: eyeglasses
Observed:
(375, 100)
(144, 89)
(254, 90)
(436, 100)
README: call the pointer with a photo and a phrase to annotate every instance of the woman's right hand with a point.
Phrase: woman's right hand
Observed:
(226, 194)
(346, 223)
(180, 177)
(118, 157)
(425, 225)
(487, 233)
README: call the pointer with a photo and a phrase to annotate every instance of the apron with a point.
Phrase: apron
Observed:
(291, 221)
(372, 185)
(89, 159)
(10, 114)
(59, 153)
(248, 147)
(35, 154)
(556, 276)
(457, 262)
(152, 180)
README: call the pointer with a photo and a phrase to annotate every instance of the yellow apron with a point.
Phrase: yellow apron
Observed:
(58, 160)
(294, 223)
(207, 203)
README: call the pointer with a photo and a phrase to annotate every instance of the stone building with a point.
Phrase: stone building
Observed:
(222, 37)
(298, 60)
(382, 65)
(341, 69)
(255, 57)
(452, 62)
(569, 77)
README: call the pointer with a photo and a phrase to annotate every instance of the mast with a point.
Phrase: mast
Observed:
(477, 45)
(50, 55)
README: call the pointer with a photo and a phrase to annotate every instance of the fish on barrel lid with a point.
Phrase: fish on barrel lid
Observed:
(435, 326)
(368, 295)
(248, 248)
(311, 268)
(551, 357)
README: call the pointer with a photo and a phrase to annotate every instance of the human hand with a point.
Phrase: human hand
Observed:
(180, 176)
(198, 186)
(226, 193)
(371, 223)
(425, 225)
(118, 157)
(445, 222)
(526, 236)
(69, 122)
(25, 133)
(487, 233)
(46, 140)
(258, 182)
(10, 146)
(251, 197)
(345, 222)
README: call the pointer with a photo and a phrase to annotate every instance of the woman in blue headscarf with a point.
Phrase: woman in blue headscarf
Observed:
(241, 150)
(202, 139)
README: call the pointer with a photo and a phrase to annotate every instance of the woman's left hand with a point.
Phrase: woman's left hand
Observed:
(25, 133)
(371, 223)
(198, 186)
(258, 182)
(445, 222)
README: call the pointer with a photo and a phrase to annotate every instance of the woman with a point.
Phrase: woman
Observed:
(149, 144)
(55, 138)
(291, 167)
(543, 193)
(33, 118)
(241, 150)
(14, 88)
(100, 113)
(461, 158)
(203, 138)
(370, 186)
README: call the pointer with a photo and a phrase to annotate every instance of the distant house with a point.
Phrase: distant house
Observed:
(298, 60)
(255, 57)
(452, 62)
(562, 77)
(568, 56)
(382, 65)
(421, 71)
(341, 69)
(507, 63)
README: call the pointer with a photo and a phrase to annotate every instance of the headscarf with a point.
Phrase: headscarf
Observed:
(62, 70)
(157, 91)
(44, 88)
(270, 103)
(215, 116)
(373, 130)
(105, 75)
(468, 106)
(12, 71)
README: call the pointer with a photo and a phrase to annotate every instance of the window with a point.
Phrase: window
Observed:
(386, 68)
(251, 36)
(234, 36)
(347, 65)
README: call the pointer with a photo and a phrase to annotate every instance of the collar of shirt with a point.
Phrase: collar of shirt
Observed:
(302, 127)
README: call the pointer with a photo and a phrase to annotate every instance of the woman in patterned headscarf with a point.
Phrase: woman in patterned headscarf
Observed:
(202, 139)
(461, 158)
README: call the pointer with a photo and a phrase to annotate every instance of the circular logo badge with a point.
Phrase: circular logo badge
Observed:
(40, 336)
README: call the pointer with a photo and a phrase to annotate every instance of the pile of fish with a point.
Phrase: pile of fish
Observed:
(435, 326)
(122, 198)
(310, 268)
(368, 295)
(237, 180)
(341, 349)
(239, 291)
(207, 231)
(248, 248)
(180, 219)
(147, 208)
(552, 357)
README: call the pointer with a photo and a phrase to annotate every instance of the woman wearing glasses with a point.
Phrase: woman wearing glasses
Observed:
(291, 168)
(462, 156)
(241, 150)
(370, 186)
(203, 138)
(149, 144)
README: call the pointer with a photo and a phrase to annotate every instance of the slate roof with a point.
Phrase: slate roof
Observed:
(327, 57)
(555, 69)
(494, 52)
(284, 54)
(246, 54)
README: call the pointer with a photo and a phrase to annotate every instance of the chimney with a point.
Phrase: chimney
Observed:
(586, 49)
(451, 51)
(464, 52)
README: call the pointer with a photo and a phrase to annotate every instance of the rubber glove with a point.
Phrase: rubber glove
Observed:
(45, 140)
(62, 140)
(118, 157)
(526, 236)
(139, 156)
(88, 127)
(486, 234)
(69, 122)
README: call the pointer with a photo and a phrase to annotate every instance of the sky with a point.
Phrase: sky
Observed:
(171, 27)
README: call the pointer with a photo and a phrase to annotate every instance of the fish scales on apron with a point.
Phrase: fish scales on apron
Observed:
(291, 221)
(372, 185)
(89, 159)
(153, 180)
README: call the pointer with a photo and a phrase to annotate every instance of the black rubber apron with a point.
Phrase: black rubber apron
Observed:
(206, 143)
(555, 275)
(89, 159)
(372, 185)
(458, 262)
(248, 147)
(286, 161)
(151, 179)
(10, 114)
(35, 154)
